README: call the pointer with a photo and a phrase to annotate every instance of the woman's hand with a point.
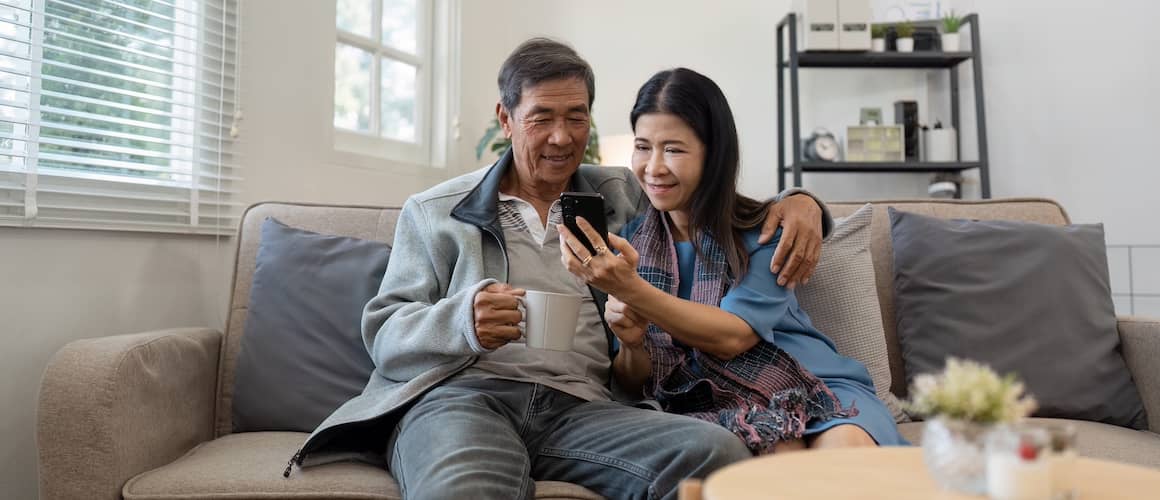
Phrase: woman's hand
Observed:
(627, 324)
(611, 273)
(708, 328)
(633, 364)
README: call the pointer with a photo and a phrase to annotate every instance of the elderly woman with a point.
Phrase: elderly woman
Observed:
(700, 330)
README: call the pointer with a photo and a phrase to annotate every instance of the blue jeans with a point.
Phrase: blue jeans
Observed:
(493, 438)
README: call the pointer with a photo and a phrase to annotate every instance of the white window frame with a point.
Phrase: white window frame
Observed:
(438, 27)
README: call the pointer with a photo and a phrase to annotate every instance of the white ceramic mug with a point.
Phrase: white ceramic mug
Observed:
(550, 319)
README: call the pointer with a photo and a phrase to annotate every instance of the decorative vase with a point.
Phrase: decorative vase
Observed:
(877, 45)
(950, 42)
(905, 44)
(954, 452)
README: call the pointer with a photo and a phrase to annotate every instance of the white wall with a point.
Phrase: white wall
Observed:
(287, 95)
(1073, 106)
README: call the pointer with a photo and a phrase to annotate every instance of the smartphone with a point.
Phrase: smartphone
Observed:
(590, 206)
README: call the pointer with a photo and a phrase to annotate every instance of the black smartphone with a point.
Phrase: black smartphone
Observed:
(590, 206)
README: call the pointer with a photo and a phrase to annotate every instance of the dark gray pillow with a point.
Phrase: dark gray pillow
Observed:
(1025, 298)
(302, 354)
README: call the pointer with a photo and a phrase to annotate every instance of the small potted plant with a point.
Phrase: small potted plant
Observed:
(905, 32)
(950, 31)
(961, 406)
(877, 38)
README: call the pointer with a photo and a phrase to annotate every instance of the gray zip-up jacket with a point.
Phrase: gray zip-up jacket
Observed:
(419, 329)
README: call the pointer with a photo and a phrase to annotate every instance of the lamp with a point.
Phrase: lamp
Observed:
(616, 150)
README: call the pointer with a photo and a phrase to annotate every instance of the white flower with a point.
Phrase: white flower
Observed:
(968, 390)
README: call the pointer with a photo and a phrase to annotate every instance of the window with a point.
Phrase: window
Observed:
(117, 114)
(382, 74)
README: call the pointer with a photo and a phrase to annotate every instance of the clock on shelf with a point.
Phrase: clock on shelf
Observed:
(821, 145)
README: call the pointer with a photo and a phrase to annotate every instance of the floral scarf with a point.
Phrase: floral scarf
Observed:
(762, 395)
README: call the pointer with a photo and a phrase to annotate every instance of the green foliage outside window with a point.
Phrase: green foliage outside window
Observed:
(113, 77)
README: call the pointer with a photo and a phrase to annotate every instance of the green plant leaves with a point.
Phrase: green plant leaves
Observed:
(488, 136)
(951, 22)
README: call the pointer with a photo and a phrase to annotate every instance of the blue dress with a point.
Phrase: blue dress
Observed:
(773, 312)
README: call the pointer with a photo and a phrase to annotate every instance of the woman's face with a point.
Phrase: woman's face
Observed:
(667, 160)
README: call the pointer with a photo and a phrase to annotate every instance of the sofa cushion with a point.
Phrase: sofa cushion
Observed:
(1093, 439)
(368, 223)
(842, 301)
(1024, 298)
(249, 466)
(1039, 210)
(302, 353)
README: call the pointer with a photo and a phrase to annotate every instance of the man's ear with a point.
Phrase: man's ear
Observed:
(505, 119)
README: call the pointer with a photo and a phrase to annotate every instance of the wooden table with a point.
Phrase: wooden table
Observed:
(894, 473)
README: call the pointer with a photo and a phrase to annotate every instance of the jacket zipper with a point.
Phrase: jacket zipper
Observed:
(294, 460)
(499, 241)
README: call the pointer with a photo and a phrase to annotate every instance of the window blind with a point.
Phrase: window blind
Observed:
(119, 114)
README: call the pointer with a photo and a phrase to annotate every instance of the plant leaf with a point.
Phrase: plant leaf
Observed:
(488, 136)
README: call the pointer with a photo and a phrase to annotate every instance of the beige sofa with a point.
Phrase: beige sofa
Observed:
(147, 416)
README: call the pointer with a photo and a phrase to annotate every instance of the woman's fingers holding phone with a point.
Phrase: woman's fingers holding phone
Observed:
(625, 249)
(590, 267)
(572, 253)
(604, 270)
(592, 235)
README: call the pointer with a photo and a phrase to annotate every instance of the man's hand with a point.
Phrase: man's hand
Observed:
(628, 325)
(497, 315)
(800, 218)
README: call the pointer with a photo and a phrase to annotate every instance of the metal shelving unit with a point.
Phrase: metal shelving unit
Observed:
(949, 61)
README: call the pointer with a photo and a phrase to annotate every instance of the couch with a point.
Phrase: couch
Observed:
(148, 415)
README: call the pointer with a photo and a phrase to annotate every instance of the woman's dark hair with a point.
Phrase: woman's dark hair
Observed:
(716, 206)
(538, 60)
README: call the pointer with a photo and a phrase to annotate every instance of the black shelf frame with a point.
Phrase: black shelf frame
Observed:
(925, 59)
(935, 60)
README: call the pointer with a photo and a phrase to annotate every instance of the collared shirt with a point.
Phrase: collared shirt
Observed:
(533, 250)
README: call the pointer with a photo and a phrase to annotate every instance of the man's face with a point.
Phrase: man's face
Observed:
(549, 131)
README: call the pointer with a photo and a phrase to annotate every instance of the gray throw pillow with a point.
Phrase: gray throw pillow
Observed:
(1024, 298)
(302, 353)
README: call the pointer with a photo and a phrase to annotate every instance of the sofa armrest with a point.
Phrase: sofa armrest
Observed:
(1140, 338)
(113, 407)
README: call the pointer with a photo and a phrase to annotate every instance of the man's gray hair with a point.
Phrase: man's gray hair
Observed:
(538, 60)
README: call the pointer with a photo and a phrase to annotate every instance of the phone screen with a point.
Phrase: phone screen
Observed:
(590, 206)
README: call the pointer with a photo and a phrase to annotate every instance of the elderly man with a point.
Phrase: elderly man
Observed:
(460, 406)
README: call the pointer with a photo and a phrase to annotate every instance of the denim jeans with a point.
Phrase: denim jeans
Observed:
(491, 439)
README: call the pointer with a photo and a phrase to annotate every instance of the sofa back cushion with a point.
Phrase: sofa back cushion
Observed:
(1024, 298)
(1039, 210)
(368, 223)
(302, 353)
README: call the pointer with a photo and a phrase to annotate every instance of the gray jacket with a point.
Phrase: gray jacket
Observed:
(419, 329)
